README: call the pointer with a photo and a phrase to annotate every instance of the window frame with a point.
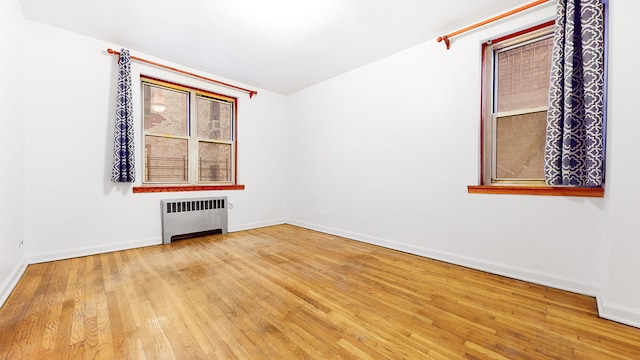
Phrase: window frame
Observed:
(193, 183)
(487, 136)
(490, 115)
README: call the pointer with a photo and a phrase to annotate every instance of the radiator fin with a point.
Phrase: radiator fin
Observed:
(194, 205)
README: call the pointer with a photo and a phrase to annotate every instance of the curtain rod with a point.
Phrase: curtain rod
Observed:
(446, 38)
(251, 92)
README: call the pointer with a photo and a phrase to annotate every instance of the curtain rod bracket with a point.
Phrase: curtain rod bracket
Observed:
(446, 41)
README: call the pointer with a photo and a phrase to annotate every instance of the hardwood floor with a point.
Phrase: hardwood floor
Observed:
(283, 292)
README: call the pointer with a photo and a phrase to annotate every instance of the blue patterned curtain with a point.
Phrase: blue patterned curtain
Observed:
(123, 154)
(574, 151)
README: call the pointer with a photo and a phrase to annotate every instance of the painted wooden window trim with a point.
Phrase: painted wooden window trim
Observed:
(181, 188)
(597, 192)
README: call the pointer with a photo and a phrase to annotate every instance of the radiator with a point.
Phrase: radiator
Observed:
(193, 216)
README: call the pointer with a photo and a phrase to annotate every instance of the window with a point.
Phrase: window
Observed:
(515, 98)
(516, 81)
(189, 136)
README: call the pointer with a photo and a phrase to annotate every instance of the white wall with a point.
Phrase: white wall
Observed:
(12, 143)
(384, 154)
(621, 298)
(72, 207)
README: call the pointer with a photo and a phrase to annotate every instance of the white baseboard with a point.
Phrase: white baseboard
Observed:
(487, 266)
(618, 313)
(78, 252)
(12, 280)
(72, 253)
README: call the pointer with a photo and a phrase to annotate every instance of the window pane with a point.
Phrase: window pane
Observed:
(520, 146)
(165, 111)
(214, 161)
(523, 76)
(166, 160)
(214, 119)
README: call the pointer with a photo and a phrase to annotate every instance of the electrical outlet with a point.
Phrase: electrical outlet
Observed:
(21, 243)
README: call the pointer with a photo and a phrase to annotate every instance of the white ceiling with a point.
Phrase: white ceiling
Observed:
(279, 45)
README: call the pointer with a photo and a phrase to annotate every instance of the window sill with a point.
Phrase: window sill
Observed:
(537, 190)
(154, 189)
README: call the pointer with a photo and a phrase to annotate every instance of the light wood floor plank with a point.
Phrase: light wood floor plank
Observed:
(284, 292)
(26, 333)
